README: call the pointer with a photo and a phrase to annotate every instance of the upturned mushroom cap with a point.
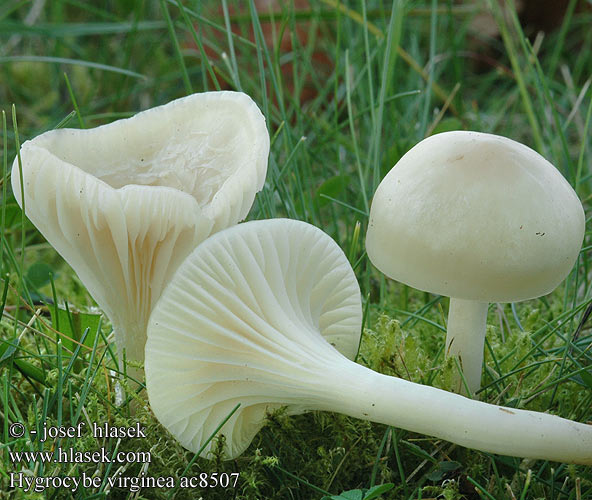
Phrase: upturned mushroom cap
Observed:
(475, 216)
(125, 203)
(250, 317)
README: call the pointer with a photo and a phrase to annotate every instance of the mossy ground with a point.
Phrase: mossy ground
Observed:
(347, 88)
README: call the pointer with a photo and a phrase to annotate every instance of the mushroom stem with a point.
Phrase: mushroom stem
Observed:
(130, 349)
(465, 339)
(362, 393)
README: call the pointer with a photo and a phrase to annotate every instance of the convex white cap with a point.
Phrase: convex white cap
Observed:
(475, 216)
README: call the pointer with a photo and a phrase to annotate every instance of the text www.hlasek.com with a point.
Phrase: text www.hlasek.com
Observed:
(70, 455)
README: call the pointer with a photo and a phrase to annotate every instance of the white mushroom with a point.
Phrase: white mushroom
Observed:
(125, 203)
(249, 318)
(479, 218)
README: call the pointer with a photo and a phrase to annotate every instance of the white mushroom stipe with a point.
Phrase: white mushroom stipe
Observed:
(479, 218)
(249, 318)
(125, 203)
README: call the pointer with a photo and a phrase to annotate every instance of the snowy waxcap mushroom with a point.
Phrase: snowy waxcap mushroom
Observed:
(479, 218)
(258, 314)
(241, 321)
(125, 203)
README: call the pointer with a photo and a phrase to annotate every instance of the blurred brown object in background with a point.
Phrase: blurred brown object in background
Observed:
(544, 15)
(535, 15)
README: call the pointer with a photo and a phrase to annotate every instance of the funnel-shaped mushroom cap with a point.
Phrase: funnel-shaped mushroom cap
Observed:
(125, 203)
(249, 317)
(244, 321)
(475, 216)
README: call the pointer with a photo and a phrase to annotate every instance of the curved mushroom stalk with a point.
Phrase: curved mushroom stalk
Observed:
(258, 315)
(125, 203)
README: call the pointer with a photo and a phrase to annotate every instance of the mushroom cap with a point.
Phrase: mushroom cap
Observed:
(212, 146)
(125, 203)
(251, 316)
(475, 216)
